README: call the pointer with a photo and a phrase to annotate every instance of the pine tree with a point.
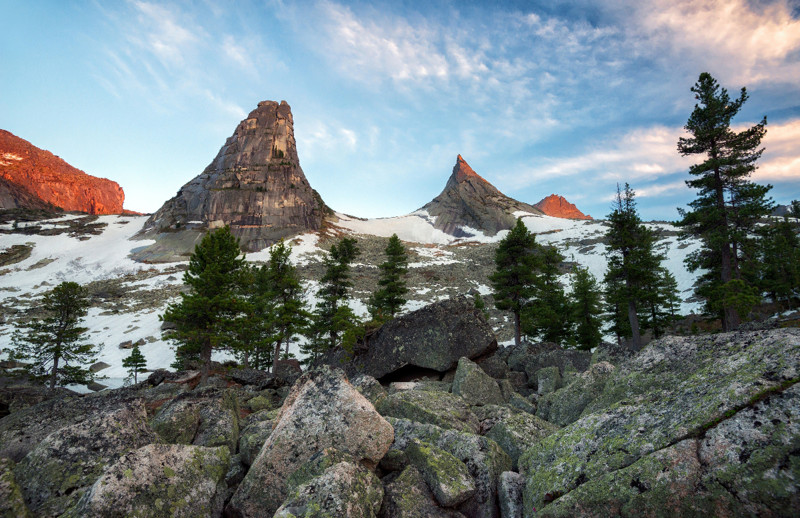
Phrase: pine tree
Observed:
(135, 363)
(727, 205)
(333, 316)
(252, 336)
(586, 308)
(547, 314)
(54, 343)
(515, 277)
(661, 304)
(778, 272)
(632, 263)
(288, 315)
(390, 297)
(206, 316)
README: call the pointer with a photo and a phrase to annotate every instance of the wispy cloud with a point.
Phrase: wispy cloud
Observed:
(781, 160)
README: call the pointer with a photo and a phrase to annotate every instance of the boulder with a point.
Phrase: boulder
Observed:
(252, 439)
(205, 418)
(447, 477)
(369, 388)
(484, 459)
(323, 410)
(408, 496)
(344, 489)
(520, 403)
(440, 408)
(475, 386)
(12, 504)
(518, 431)
(548, 380)
(65, 463)
(509, 494)
(494, 366)
(565, 405)
(159, 480)
(432, 338)
(664, 422)
(529, 358)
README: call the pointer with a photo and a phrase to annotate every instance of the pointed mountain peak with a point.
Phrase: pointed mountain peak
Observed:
(558, 207)
(463, 172)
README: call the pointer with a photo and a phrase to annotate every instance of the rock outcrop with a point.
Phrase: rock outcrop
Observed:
(558, 207)
(34, 178)
(254, 184)
(469, 203)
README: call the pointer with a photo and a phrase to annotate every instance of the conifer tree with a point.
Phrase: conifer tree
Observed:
(54, 344)
(661, 304)
(779, 263)
(547, 314)
(288, 315)
(333, 316)
(514, 278)
(206, 316)
(727, 205)
(390, 297)
(135, 363)
(586, 308)
(632, 263)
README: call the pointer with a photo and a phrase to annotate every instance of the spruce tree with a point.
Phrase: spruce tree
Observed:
(206, 316)
(515, 276)
(661, 304)
(135, 363)
(288, 315)
(632, 263)
(54, 344)
(333, 316)
(390, 296)
(586, 308)
(547, 314)
(778, 272)
(728, 205)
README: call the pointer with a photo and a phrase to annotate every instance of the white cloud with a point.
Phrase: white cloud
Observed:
(163, 34)
(237, 53)
(781, 158)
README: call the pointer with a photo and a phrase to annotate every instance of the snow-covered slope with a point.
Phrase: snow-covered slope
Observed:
(129, 296)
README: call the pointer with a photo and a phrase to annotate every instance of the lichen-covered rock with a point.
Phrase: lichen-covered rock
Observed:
(439, 408)
(650, 415)
(447, 477)
(509, 494)
(433, 337)
(494, 366)
(209, 418)
(529, 358)
(12, 504)
(475, 386)
(565, 405)
(483, 457)
(517, 432)
(160, 480)
(316, 466)
(252, 439)
(408, 496)
(344, 489)
(323, 410)
(520, 403)
(369, 387)
(548, 380)
(57, 472)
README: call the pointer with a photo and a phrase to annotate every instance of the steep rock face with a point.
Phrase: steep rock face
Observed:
(470, 201)
(255, 185)
(33, 178)
(558, 207)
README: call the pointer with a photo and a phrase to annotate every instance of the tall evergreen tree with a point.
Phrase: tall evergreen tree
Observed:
(632, 263)
(661, 303)
(515, 277)
(54, 343)
(251, 337)
(206, 315)
(727, 205)
(390, 297)
(333, 316)
(586, 308)
(547, 313)
(778, 272)
(288, 315)
(135, 363)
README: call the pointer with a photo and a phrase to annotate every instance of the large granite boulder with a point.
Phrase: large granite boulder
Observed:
(447, 477)
(207, 417)
(475, 386)
(254, 184)
(323, 410)
(408, 496)
(60, 468)
(529, 358)
(12, 503)
(703, 425)
(565, 405)
(159, 480)
(430, 406)
(432, 338)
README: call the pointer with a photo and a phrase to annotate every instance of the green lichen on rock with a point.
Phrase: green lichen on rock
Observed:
(517, 432)
(316, 466)
(565, 405)
(438, 408)
(252, 439)
(447, 477)
(12, 503)
(176, 422)
(548, 380)
(408, 496)
(474, 385)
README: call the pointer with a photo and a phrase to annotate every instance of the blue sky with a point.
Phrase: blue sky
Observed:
(539, 98)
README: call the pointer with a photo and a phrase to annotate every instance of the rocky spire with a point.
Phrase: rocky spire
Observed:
(558, 207)
(470, 202)
(255, 184)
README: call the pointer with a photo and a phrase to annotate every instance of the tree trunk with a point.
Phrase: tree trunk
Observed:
(54, 372)
(730, 319)
(517, 332)
(633, 318)
(205, 356)
(275, 357)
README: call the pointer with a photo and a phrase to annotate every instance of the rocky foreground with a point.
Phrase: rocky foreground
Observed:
(703, 425)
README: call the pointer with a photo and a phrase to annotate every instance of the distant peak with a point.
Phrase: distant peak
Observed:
(462, 171)
(558, 207)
